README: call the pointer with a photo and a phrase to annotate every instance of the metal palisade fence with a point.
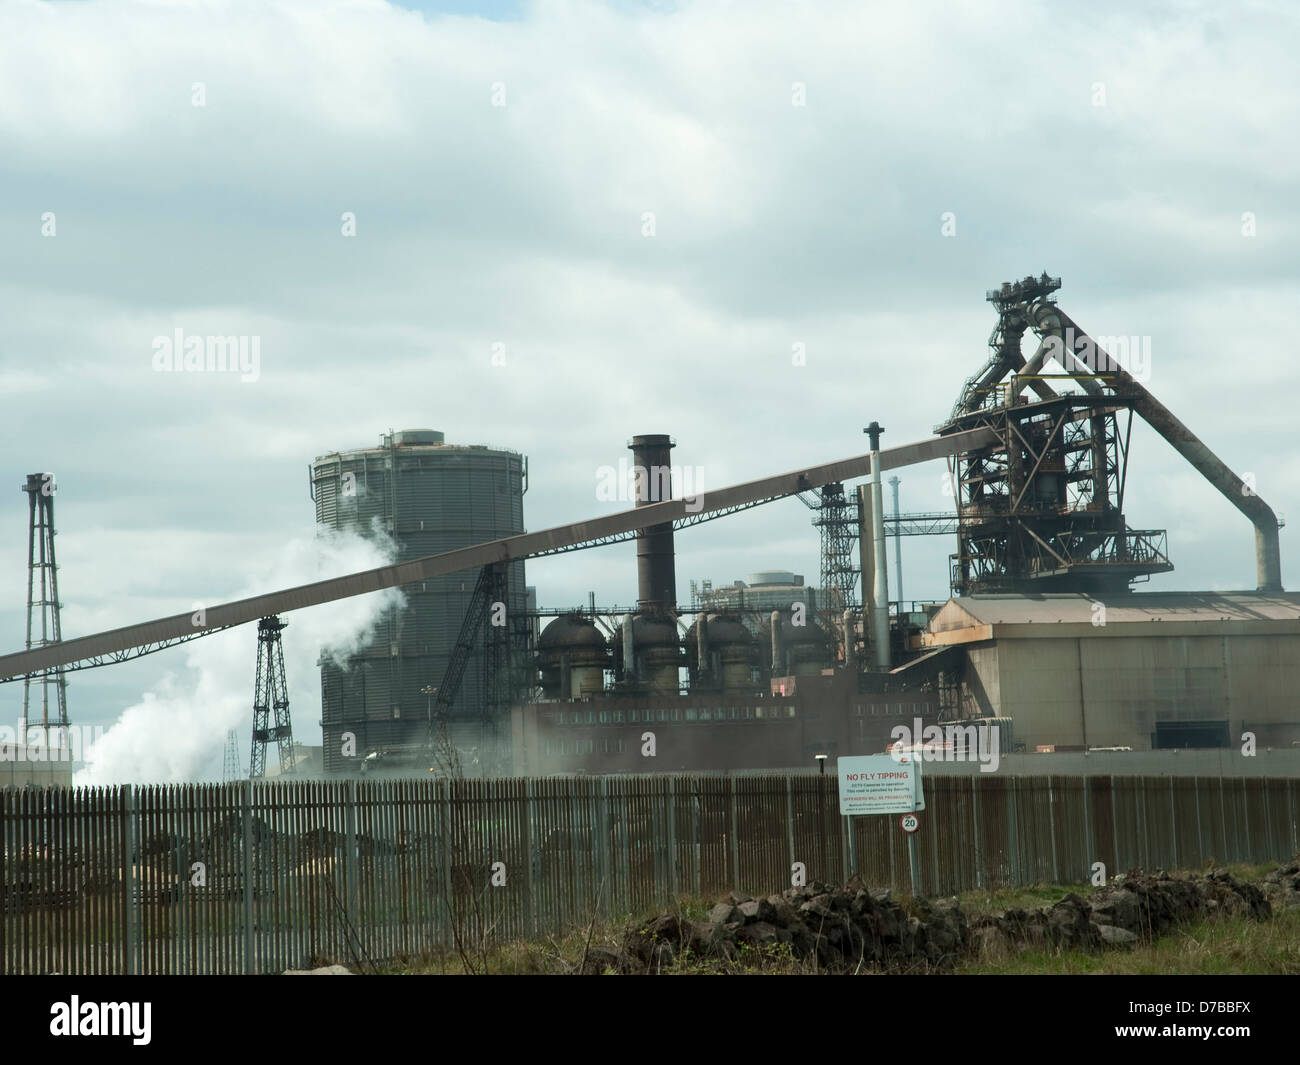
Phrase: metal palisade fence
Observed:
(260, 877)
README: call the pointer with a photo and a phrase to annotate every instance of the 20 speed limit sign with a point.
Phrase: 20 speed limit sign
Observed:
(909, 823)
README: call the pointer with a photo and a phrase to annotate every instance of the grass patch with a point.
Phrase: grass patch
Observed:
(991, 900)
(1217, 947)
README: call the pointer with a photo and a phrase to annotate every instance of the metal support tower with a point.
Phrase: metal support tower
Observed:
(836, 518)
(1041, 507)
(230, 767)
(43, 600)
(270, 697)
(504, 638)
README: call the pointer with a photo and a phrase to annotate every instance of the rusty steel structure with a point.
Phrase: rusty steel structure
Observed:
(1040, 508)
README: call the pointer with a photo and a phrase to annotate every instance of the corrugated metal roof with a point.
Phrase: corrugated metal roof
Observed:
(971, 610)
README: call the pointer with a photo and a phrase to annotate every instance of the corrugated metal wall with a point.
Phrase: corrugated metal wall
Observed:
(439, 499)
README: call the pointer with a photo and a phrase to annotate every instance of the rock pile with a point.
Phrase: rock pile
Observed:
(1282, 885)
(1132, 908)
(853, 928)
(838, 929)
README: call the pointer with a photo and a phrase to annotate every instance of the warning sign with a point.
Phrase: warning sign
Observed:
(880, 784)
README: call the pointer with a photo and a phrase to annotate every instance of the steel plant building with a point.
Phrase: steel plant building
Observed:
(429, 497)
(1138, 670)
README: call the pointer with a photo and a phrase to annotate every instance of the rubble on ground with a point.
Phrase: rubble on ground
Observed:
(855, 928)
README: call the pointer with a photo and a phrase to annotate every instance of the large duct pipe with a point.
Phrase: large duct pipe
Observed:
(880, 590)
(848, 639)
(1050, 318)
(702, 645)
(629, 650)
(898, 545)
(867, 568)
(655, 560)
(1027, 375)
(880, 586)
(778, 662)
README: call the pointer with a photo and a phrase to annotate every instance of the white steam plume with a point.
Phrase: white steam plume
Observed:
(177, 731)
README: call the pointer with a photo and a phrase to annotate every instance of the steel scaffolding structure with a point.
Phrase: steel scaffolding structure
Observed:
(43, 624)
(271, 722)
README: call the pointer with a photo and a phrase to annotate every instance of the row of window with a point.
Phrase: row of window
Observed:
(884, 709)
(723, 713)
(648, 717)
(562, 747)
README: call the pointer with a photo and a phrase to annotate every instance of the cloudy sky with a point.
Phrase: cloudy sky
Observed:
(651, 207)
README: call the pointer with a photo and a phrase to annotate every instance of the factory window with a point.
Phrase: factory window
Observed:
(621, 746)
(618, 717)
(663, 715)
(749, 713)
(706, 715)
(591, 717)
(789, 711)
(604, 717)
(691, 715)
(559, 718)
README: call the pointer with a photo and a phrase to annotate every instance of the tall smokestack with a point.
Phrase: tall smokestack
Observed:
(656, 564)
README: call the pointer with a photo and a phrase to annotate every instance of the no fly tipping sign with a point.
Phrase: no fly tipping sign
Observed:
(880, 784)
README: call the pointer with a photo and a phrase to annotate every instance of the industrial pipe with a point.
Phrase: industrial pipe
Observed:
(880, 593)
(629, 650)
(777, 662)
(1268, 556)
(880, 586)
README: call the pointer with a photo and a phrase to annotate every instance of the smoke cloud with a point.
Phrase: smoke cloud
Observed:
(177, 731)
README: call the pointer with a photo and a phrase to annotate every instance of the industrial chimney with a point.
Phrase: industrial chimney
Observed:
(655, 561)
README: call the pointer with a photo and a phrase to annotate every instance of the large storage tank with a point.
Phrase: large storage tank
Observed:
(428, 496)
(725, 658)
(573, 656)
(655, 653)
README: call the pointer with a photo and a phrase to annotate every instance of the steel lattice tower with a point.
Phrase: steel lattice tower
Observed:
(270, 696)
(230, 767)
(837, 518)
(43, 598)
